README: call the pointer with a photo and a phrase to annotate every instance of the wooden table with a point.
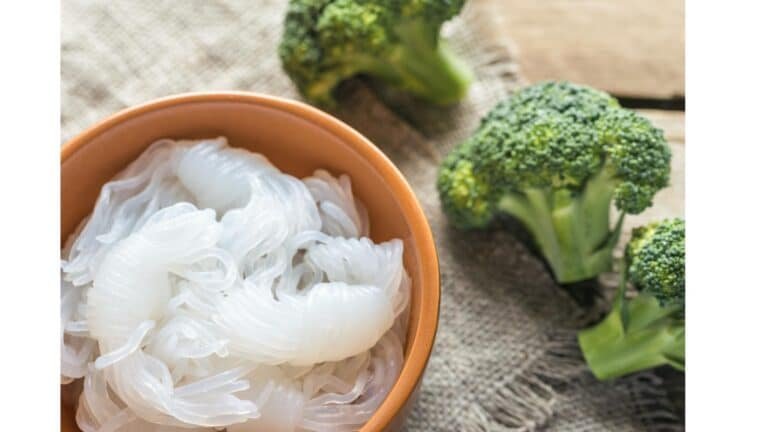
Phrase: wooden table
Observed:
(630, 48)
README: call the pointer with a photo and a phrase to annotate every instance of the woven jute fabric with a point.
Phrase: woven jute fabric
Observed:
(505, 358)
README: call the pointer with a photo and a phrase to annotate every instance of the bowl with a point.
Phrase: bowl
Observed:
(298, 139)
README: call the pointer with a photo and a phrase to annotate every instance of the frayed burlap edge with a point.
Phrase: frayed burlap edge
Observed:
(528, 400)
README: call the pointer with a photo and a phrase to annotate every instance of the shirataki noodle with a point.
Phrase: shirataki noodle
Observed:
(208, 290)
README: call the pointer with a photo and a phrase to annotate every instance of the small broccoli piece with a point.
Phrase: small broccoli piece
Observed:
(554, 156)
(397, 41)
(648, 330)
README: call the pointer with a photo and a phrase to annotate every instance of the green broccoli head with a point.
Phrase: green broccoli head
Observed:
(655, 260)
(555, 155)
(647, 330)
(559, 135)
(327, 41)
(581, 104)
(638, 157)
(466, 195)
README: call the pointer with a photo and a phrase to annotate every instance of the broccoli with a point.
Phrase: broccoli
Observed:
(554, 156)
(327, 41)
(648, 330)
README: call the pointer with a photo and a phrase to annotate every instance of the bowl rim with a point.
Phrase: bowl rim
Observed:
(415, 362)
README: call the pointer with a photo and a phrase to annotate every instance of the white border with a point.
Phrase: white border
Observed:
(727, 178)
(29, 240)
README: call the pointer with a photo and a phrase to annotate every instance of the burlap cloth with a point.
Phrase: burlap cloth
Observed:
(505, 358)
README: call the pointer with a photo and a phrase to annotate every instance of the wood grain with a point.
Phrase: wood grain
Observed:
(632, 48)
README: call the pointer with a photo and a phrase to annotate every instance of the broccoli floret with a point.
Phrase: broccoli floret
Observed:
(397, 41)
(554, 156)
(648, 330)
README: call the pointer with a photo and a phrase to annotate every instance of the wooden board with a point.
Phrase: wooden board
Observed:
(632, 48)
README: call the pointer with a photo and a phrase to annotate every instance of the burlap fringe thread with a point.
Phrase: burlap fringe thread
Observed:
(528, 401)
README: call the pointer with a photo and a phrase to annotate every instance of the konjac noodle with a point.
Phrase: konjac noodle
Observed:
(209, 290)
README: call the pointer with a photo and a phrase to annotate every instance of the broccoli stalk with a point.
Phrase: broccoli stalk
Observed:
(636, 335)
(328, 41)
(571, 230)
(649, 330)
(426, 67)
(555, 156)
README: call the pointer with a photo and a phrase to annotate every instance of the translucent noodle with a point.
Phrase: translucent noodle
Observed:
(210, 291)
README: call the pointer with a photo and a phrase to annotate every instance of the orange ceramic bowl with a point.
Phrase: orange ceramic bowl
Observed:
(298, 139)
